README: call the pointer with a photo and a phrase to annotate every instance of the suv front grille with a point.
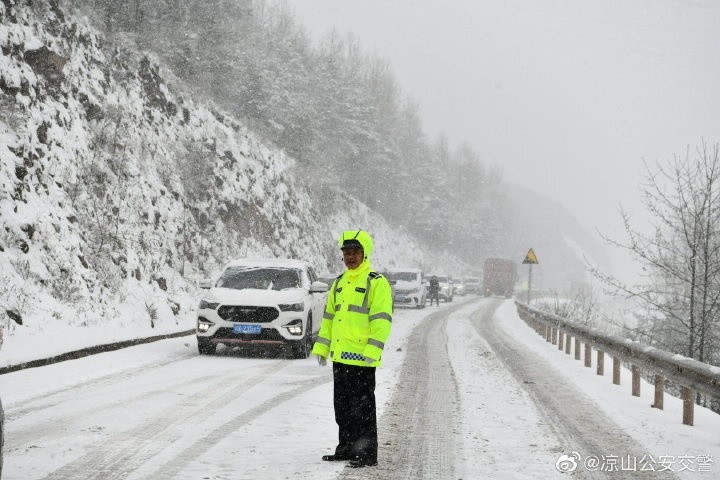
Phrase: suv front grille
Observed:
(242, 313)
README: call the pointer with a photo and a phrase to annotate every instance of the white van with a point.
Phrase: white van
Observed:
(409, 287)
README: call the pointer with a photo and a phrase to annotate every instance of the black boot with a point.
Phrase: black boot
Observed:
(336, 458)
(363, 462)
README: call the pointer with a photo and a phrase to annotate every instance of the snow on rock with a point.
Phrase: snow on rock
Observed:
(118, 192)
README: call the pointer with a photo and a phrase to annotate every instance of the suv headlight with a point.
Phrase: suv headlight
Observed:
(414, 290)
(208, 304)
(292, 307)
(295, 327)
(203, 324)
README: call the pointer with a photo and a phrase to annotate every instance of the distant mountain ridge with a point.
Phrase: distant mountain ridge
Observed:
(562, 244)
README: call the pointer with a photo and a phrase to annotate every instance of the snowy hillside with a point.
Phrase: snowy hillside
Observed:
(117, 191)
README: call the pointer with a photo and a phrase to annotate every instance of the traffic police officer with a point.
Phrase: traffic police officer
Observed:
(355, 327)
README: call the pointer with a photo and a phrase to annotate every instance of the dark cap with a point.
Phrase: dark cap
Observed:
(350, 244)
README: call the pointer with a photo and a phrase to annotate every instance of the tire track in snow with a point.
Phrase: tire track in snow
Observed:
(417, 432)
(50, 399)
(123, 453)
(54, 425)
(173, 467)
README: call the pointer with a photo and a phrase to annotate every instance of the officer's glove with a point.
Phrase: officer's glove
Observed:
(322, 361)
(369, 360)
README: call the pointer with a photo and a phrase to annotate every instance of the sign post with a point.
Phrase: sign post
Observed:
(530, 260)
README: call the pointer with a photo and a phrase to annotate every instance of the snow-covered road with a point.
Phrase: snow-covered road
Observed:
(463, 393)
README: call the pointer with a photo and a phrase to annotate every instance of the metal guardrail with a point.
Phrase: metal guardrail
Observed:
(693, 376)
(84, 352)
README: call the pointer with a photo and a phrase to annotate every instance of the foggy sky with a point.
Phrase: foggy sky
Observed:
(567, 97)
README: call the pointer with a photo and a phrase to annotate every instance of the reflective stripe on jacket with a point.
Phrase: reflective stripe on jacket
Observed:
(357, 319)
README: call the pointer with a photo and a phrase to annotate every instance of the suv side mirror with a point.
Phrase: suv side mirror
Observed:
(319, 287)
(205, 284)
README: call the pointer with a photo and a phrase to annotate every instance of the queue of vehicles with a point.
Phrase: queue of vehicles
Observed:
(280, 302)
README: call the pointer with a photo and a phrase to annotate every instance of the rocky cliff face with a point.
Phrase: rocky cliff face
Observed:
(115, 188)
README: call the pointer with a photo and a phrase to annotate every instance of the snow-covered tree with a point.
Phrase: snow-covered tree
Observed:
(681, 257)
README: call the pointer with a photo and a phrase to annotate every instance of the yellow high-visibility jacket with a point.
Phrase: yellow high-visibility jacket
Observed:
(357, 319)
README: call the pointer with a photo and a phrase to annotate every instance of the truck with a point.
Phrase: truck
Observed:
(499, 276)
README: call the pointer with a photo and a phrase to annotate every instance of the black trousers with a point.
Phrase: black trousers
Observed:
(354, 399)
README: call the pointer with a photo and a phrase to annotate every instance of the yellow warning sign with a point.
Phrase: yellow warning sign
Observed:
(531, 257)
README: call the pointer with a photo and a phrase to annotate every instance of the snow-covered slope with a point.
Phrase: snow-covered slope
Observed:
(117, 191)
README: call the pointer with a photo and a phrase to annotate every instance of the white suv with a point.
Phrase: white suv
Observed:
(262, 302)
(409, 289)
(446, 288)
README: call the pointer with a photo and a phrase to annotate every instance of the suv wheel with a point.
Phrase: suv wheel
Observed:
(205, 347)
(302, 348)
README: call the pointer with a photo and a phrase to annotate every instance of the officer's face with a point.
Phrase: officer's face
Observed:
(353, 257)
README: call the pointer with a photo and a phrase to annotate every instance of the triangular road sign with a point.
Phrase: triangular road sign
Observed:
(531, 257)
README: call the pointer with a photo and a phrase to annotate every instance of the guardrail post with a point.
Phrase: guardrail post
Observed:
(664, 366)
(659, 392)
(635, 381)
(588, 355)
(616, 370)
(688, 396)
(577, 348)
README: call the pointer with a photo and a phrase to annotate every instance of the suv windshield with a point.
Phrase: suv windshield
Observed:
(401, 276)
(260, 278)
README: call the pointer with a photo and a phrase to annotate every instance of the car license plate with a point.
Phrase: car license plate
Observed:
(253, 329)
